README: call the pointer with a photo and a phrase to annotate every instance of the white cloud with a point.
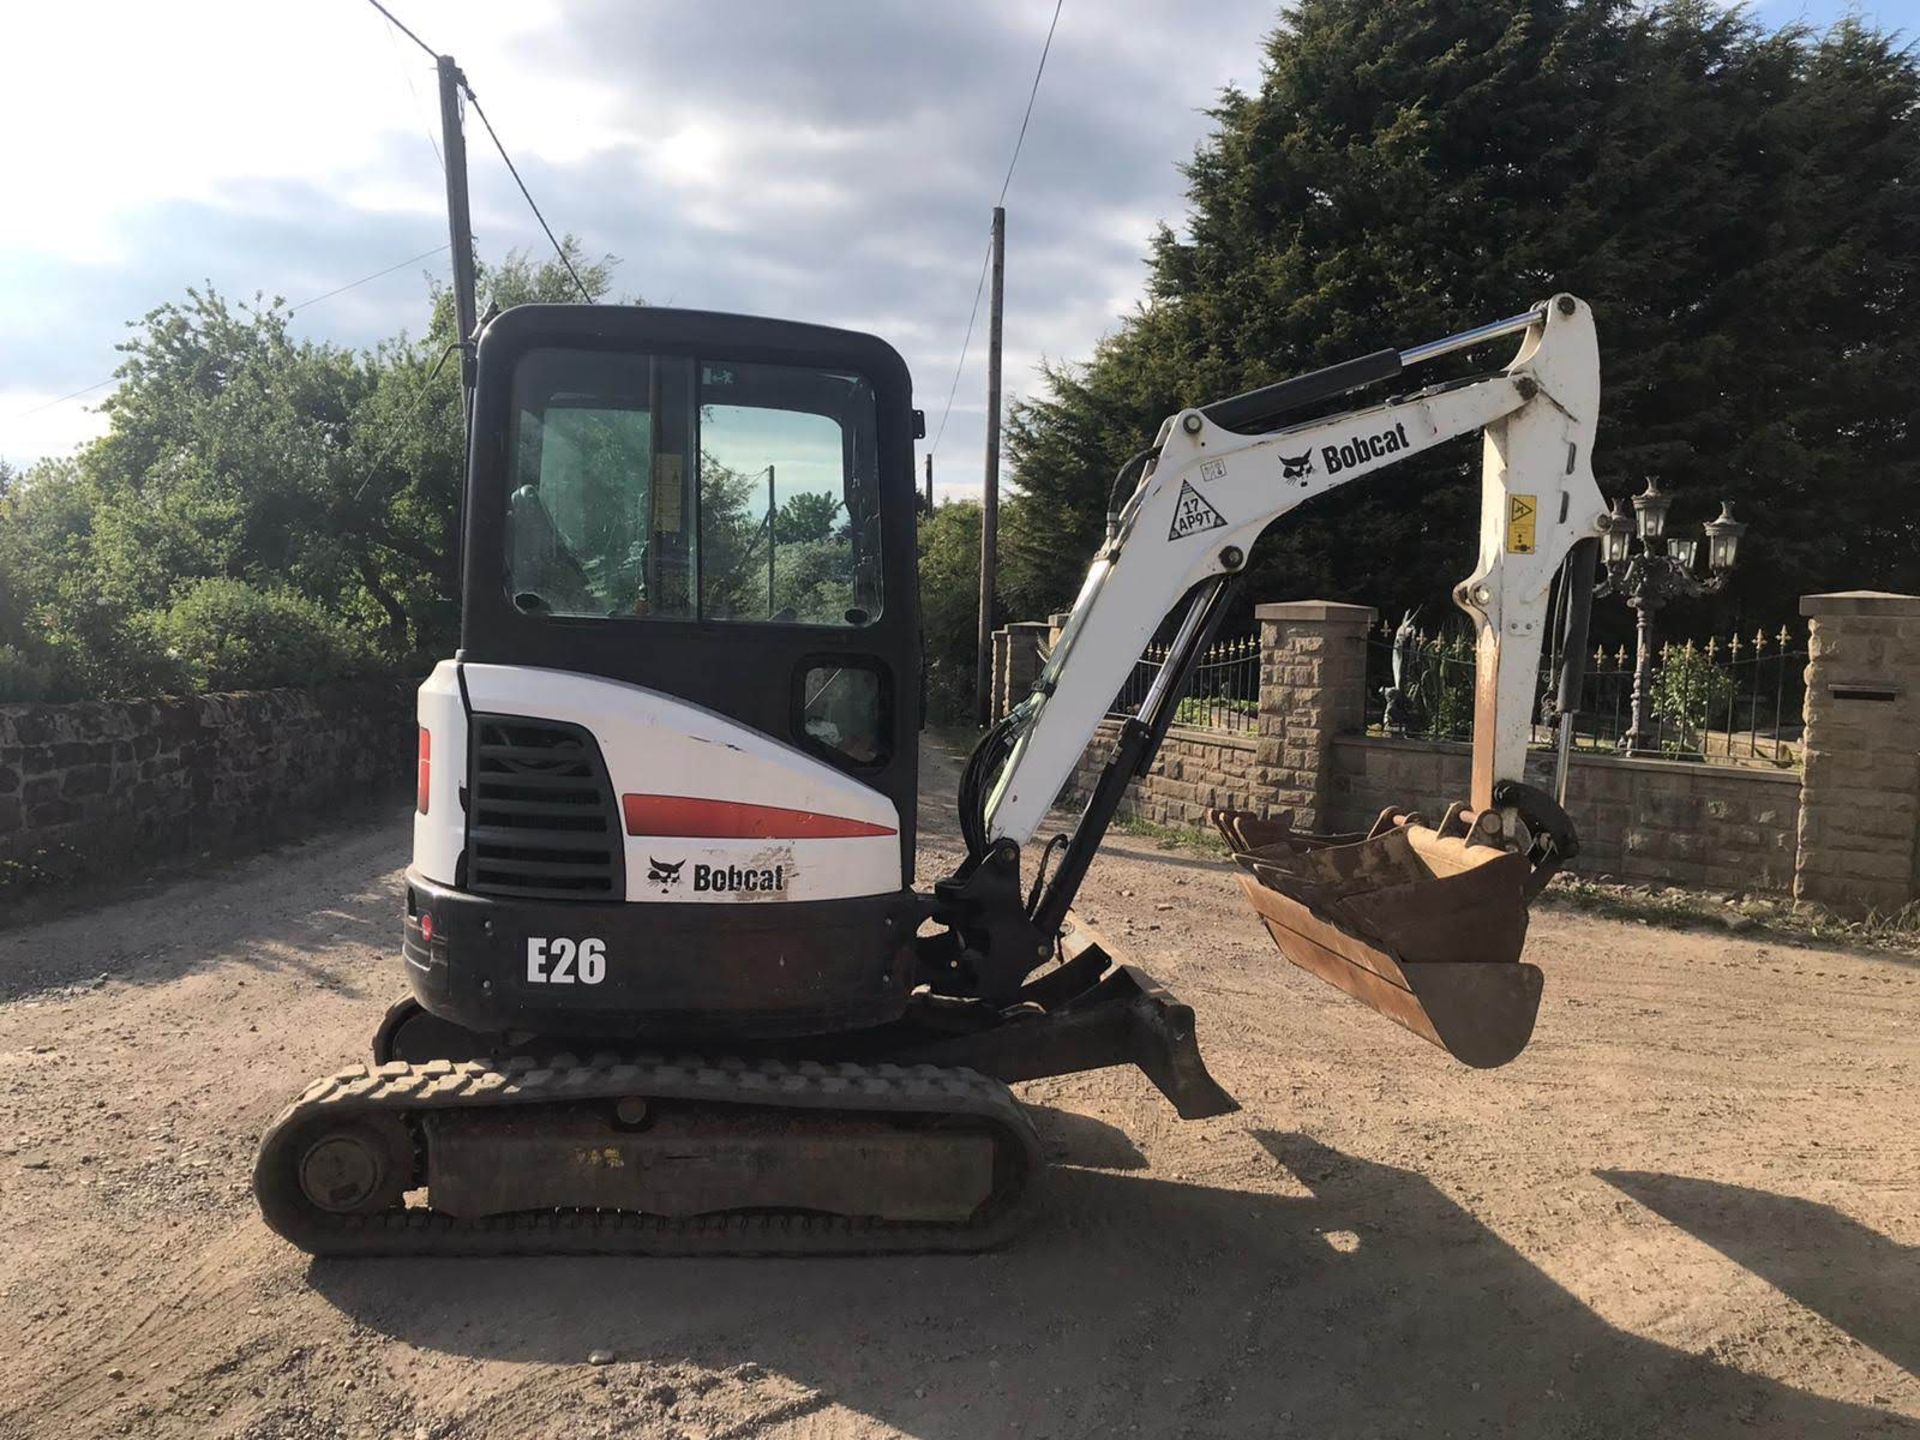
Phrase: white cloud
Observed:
(832, 161)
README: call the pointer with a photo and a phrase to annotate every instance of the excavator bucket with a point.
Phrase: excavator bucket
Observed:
(1423, 924)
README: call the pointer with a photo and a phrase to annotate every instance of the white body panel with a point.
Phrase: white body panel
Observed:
(1213, 491)
(441, 833)
(655, 745)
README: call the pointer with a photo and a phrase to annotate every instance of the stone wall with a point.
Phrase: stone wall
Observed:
(1707, 826)
(1844, 832)
(85, 786)
(1196, 770)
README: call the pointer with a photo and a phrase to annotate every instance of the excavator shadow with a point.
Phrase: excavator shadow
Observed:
(1865, 1283)
(1372, 1303)
(1082, 1141)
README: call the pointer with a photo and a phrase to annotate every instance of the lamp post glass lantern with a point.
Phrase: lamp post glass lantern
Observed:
(1650, 511)
(1723, 539)
(1659, 571)
(1617, 542)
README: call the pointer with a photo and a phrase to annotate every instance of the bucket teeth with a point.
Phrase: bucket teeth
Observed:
(1423, 926)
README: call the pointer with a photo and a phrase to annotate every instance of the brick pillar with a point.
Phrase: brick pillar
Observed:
(1860, 788)
(1027, 650)
(1313, 686)
(1055, 624)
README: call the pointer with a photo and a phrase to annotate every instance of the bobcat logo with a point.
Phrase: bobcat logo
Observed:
(1296, 467)
(665, 875)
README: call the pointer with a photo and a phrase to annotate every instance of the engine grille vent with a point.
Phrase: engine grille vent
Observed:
(541, 820)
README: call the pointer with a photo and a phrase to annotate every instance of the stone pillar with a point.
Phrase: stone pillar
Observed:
(1313, 686)
(1860, 786)
(1056, 622)
(1027, 650)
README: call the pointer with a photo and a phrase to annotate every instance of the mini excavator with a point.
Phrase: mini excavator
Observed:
(671, 987)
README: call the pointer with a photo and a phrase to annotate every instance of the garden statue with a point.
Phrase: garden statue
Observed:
(1399, 717)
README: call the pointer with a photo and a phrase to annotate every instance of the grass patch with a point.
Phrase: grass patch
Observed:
(1773, 917)
(1174, 837)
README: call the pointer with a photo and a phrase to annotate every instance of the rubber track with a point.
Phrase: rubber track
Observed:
(408, 1090)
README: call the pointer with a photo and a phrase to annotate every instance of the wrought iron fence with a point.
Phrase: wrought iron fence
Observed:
(1731, 701)
(1224, 693)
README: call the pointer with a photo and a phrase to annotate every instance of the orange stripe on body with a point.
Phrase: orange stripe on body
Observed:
(691, 817)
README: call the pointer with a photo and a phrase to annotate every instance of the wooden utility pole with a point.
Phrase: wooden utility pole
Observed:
(459, 218)
(929, 482)
(990, 499)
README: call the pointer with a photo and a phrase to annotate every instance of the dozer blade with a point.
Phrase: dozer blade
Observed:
(1425, 926)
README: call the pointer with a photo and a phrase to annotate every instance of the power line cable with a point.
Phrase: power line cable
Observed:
(1019, 140)
(354, 284)
(525, 194)
(961, 363)
(1032, 94)
(418, 105)
(71, 395)
(512, 169)
(291, 310)
(394, 21)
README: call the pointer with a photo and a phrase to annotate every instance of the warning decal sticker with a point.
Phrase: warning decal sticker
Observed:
(1523, 512)
(1193, 514)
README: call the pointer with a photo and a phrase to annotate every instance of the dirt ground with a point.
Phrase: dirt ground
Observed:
(1688, 1210)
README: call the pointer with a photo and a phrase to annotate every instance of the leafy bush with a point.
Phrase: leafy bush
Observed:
(950, 607)
(1689, 693)
(22, 677)
(228, 635)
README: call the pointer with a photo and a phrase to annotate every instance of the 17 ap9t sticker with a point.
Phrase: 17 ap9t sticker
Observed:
(563, 961)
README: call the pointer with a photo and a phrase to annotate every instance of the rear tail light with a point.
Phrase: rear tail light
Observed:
(425, 788)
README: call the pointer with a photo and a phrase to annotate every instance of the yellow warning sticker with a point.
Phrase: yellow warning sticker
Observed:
(1522, 513)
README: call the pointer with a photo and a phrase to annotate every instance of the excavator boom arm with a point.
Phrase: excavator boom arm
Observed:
(1209, 492)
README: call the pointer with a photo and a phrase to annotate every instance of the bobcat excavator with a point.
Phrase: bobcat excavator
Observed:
(672, 988)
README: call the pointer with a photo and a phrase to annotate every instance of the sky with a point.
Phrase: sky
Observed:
(833, 160)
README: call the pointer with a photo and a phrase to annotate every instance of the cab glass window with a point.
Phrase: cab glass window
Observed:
(776, 519)
(843, 709)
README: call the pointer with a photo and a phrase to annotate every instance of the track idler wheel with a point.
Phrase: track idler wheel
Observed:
(354, 1166)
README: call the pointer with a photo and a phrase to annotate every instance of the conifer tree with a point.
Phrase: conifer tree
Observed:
(1741, 207)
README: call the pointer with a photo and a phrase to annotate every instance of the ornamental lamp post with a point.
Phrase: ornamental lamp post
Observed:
(1661, 570)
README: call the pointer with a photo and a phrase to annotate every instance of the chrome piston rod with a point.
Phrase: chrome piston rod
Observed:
(1479, 335)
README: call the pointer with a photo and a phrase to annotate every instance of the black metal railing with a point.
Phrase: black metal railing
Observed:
(1223, 695)
(1735, 700)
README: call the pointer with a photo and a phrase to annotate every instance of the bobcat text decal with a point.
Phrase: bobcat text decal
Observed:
(1363, 448)
(733, 878)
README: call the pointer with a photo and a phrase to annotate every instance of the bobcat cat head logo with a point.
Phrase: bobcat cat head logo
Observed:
(1296, 467)
(665, 875)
